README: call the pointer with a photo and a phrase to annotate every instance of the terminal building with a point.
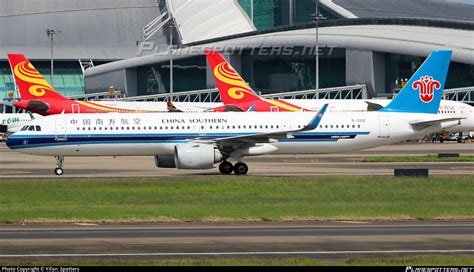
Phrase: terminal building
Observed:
(378, 43)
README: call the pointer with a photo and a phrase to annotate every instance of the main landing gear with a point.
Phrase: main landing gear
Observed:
(59, 161)
(240, 168)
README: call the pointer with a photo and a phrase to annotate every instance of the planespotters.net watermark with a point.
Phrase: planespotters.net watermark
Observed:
(147, 48)
(439, 269)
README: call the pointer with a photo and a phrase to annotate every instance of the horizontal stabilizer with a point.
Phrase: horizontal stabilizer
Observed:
(436, 121)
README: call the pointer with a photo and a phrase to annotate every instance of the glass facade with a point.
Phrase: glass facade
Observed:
(296, 72)
(189, 74)
(273, 13)
(401, 67)
(68, 78)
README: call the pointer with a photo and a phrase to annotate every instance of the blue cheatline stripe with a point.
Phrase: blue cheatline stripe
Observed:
(186, 134)
(138, 142)
(50, 140)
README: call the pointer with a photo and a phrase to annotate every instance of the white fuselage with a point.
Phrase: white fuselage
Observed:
(447, 108)
(127, 134)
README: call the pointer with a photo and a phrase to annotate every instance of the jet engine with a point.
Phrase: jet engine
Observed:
(196, 156)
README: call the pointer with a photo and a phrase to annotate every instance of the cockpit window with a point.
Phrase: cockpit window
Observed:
(31, 128)
(24, 128)
(38, 128)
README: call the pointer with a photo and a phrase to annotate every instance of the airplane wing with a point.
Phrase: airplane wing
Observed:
(267, 137)
(427, 123)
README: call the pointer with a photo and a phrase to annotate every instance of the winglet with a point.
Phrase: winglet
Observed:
(316, 119)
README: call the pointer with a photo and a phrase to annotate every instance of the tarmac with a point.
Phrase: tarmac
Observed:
(330, 241)
(18, 165)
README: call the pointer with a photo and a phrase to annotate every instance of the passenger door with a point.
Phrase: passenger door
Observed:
(286, 125)
(76, 108)
(60, 130)
(384, 127)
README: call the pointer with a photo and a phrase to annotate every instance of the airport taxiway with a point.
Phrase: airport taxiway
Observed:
(322, 240)
(18, 165)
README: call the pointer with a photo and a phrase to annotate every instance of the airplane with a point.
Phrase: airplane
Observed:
(12, 122)
(46, 101)
(200, 140)
(40, 97)
(237, 95)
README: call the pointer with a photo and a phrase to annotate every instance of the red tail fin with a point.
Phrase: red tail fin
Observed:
(232, 88)
(30, 82)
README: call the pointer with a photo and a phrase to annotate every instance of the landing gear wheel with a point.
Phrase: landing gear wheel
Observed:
(226, 168)
(58, 171)
(59, 161)
(241, 169)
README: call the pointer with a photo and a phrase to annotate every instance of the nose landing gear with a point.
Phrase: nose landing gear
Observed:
(59, 161)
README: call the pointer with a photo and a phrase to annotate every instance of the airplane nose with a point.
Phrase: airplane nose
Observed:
(14, 143)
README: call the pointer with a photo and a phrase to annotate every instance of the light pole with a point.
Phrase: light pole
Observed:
(316, 17)
(50, 33)
(251, 10)
(171, 25)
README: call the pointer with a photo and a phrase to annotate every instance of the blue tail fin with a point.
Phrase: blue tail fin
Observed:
(423, 92)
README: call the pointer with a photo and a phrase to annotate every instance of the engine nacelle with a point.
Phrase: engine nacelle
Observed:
(196, 156)
(165, 161)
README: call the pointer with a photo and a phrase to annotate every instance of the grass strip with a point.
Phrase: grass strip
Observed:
(236, 199)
